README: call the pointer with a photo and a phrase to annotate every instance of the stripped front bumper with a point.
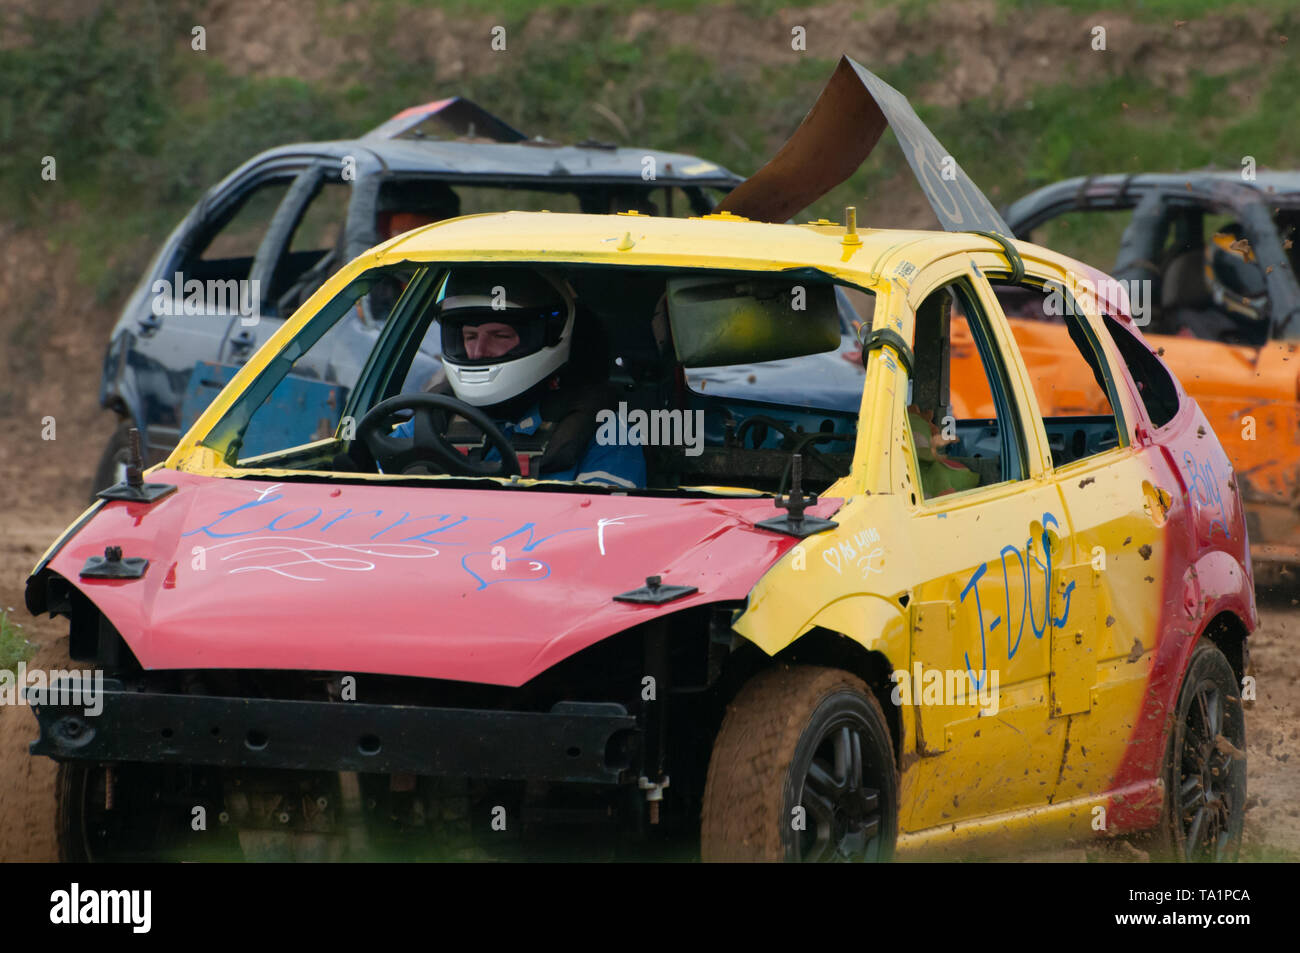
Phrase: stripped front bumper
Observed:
(575, 742)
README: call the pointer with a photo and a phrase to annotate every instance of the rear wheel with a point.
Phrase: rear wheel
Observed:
(1205, 764)
(802, 770)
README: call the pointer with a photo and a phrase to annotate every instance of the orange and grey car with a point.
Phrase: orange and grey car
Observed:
(1209, 260)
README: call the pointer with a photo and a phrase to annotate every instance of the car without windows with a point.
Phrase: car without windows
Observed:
(261, 241)
(828, 634)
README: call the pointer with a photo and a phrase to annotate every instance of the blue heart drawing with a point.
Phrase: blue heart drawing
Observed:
(535, 572)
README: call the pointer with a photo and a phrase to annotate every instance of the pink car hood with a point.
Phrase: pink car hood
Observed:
(491, 586)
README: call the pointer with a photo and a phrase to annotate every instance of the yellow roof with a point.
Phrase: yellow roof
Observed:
(714, 241)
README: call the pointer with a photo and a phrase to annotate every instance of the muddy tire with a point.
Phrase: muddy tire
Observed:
(802, 770)
(1205, 763)
(70, 792)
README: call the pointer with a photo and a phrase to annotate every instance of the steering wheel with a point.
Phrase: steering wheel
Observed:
(429, 444)
(763, 421)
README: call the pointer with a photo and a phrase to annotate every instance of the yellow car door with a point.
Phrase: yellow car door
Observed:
(1118, 494)
(987, 549)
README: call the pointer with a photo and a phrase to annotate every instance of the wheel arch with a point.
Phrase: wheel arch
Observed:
(1229, 634)
(826, 647)
(823, 645)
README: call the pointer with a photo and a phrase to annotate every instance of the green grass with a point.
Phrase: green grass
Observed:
(13, 647)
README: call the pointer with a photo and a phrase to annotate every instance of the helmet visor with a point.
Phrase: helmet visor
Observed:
(475, 337)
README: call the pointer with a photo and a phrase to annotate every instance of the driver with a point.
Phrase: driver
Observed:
(516, 344)
(1235, 280)
(1235, 310)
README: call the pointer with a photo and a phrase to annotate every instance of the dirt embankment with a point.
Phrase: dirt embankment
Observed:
(986, 51)
(52, 339)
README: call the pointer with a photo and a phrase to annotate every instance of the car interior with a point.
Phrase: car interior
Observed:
(1168, 242)
(958, 448)
(1175, 252)
(954, 353)
(654, 324)
(223, 245)
(1187, 304)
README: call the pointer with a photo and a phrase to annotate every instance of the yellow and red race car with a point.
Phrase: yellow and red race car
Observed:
(777, 631)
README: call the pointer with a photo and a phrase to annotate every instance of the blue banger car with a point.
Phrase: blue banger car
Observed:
(261, 241)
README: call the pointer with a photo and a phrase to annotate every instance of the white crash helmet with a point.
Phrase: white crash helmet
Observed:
(538, 306)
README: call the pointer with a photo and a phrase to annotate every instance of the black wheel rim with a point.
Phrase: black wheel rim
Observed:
(840, 798)
(1209, 789)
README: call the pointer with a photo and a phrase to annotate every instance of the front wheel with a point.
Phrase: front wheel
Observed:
(137, 812)
(89, 829)
(802, 770)
(1205, 763)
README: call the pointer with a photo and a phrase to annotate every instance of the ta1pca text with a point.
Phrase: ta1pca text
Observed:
(1201, 893)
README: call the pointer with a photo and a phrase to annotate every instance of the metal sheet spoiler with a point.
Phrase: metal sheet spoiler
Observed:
(834, 139)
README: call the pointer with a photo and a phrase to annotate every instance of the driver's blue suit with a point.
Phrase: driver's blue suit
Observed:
(604, 464)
